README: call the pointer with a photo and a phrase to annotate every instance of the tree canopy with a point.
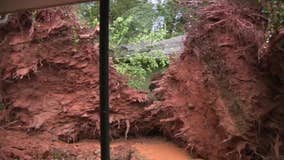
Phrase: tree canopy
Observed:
(138, 20)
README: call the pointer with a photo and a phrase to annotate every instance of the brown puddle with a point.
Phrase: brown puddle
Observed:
(157, 149)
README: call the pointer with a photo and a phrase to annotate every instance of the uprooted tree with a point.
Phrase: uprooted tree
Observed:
(219, 100)
(232, 96)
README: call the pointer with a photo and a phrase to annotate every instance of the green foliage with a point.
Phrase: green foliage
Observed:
(144, 16)
(135, 25)
(139, 67)
(137, 21)
(275, 13)
(2, 106)
(133, 21)
(89, 13)
(172, 13)
(122, 32)
(149, 36)
(120, 8)
(119, 30)
(275, 9)
(75, 37)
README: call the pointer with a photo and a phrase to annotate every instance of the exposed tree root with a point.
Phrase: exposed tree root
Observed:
(216, 100)
(222, 89)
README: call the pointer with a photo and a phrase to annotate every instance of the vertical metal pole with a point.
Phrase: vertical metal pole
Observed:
(104, 77)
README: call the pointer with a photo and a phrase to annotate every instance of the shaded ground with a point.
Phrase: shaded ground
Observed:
(46, 147)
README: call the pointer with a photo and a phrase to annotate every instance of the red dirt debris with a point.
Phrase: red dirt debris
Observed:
(49, 82)
(229, 104)
(219, 100)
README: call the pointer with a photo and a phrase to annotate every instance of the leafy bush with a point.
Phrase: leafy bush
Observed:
(152, 36)
(140, 67)
(120, 32)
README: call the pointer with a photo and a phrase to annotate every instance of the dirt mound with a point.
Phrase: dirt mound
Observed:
(222, 99)
(225, 100)
(50, 80)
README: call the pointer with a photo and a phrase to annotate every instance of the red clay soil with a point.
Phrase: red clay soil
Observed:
(219, 100)
(228, 101)
(50, 83)
(18, 145)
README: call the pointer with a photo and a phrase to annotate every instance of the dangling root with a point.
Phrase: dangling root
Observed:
(127, 128)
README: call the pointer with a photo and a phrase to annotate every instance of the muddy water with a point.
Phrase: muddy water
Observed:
(158, 149)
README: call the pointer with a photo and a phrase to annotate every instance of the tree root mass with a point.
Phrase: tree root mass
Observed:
(218, 100)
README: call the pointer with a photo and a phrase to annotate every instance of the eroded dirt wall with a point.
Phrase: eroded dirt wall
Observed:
(218, 100)
(229, 104)
(50, 79)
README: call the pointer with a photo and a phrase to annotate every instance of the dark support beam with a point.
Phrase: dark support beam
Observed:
(7, 6)
(104, 77)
